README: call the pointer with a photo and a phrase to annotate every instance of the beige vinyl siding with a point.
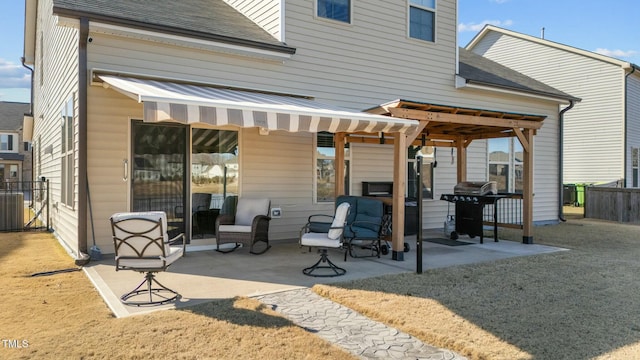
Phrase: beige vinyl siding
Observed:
(633, 121)
(267, 14)
(280, 166)
(594, 127)
(59, 84)
(330, 61)
(108, 138)
(356, 66)
(370, 163)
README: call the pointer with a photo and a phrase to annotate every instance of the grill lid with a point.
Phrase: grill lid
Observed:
(476, 188)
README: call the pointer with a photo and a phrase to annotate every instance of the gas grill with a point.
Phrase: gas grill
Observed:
(470, 197)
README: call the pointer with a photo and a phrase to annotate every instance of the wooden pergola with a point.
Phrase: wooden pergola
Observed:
(446, 126)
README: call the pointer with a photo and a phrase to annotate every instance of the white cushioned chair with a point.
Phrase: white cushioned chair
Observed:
(334, 238)
(142, 244)
(248, 225)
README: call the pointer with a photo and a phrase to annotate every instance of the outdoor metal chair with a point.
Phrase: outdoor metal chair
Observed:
(248, 225)
(333, 238)
(142, 244)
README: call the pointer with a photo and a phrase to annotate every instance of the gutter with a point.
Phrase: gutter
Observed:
(560, 159)
(462, 82)
(626, 123)
(281, 48)
(82, 136)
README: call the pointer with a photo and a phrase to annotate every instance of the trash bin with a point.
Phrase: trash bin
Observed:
(580, 194)
(569, 194)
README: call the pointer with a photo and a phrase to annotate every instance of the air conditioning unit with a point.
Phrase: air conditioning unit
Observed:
(11, 211)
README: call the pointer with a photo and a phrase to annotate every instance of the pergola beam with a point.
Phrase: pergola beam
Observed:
(441, 117)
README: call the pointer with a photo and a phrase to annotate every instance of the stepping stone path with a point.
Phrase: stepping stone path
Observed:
(350, 330)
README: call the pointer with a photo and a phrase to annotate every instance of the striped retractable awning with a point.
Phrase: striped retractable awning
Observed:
(187, 103)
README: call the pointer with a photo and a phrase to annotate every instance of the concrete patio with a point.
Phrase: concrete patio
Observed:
(203, 276)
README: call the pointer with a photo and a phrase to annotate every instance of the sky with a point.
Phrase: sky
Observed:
(607, 27)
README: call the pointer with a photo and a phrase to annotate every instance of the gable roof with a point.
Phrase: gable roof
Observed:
(12, 114)
(489, 28)
(479, 70)
(206, 19)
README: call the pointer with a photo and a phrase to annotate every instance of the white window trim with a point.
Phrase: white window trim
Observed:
(435, 21)
(13, 142)
(330, 20)
(511, 163)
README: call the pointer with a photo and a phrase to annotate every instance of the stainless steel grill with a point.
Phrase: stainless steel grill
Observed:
(470, 197)
(476, 188)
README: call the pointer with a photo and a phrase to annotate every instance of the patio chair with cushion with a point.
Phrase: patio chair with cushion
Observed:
(333, 238)
(365, 226)
(142, 244)
(248, 225)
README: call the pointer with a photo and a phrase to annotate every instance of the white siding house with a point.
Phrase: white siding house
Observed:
(355, 65)
(602, 130)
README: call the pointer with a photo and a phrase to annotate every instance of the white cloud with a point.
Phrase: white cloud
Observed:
(14, 75)
(475, 27)
(616, 53)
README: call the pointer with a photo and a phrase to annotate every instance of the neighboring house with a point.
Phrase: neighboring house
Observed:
(601, 133)
(264, 89)
(15, 154)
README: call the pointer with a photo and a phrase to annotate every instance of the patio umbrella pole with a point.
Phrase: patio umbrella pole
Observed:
(419, 222)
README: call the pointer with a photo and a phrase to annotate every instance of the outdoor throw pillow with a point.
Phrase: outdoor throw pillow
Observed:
(338, 221)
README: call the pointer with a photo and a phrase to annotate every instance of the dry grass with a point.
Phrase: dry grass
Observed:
(63, 317)
(578, 304)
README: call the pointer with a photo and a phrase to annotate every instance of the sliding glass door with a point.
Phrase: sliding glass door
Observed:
(159, 155)
(214, 175)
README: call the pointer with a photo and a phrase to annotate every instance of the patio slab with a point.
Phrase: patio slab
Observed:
(204, 276)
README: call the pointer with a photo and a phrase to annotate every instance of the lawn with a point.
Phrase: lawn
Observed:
(578, 304)
(63, 317)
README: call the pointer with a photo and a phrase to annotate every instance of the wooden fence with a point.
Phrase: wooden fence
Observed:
(614, 204)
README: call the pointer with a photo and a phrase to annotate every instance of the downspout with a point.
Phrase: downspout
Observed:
(22, 59)
(82, 136)
(626, 123)
(561, 161)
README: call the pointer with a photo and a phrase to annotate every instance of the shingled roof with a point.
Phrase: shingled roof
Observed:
(205, 19)
(479, 70)
(11, 115)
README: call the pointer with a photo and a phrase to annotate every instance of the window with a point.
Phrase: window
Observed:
(428, 160)
(6, 142)
(634, 165)
(13, 172)
(339, 10)
(325, 168)
(505, 164)
(422, 19)
(66, 155)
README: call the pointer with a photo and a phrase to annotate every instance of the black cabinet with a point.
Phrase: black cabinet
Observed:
(469, 219)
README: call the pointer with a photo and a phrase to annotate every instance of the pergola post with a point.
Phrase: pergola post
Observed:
(462, 159)
(527, 186)
(400, 150)
(339, 140)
